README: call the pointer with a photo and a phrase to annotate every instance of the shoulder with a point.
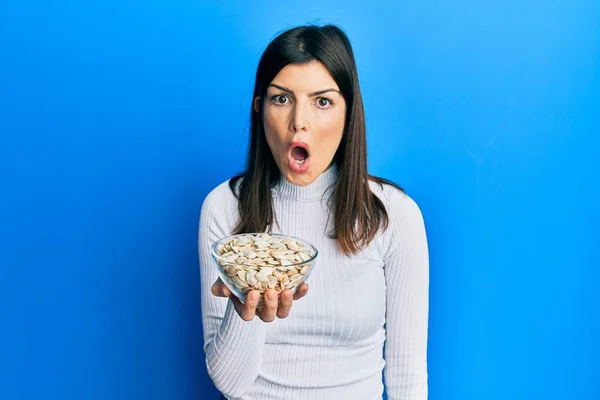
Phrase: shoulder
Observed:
(404, 214)
(406, 226)
(220, 199)
(219, 193)
(219, 212)
(396, 201)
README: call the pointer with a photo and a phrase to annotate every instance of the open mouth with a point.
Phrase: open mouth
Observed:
(300, 154)
(299, 157)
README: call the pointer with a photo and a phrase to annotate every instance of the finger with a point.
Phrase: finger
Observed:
(267, 313)
(248, 310)
(301, 292)
(285, 304)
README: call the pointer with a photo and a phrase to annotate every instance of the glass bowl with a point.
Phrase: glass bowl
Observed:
(261, 261)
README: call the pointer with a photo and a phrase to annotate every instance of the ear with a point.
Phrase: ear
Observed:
(257, 104)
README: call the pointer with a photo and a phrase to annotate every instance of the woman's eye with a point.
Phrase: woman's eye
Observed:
(280, 99)
(323, 102)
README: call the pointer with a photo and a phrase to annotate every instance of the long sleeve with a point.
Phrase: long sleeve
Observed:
(233, 347)
(407, 298)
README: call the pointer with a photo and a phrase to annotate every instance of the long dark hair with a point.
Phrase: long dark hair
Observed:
(359, 213)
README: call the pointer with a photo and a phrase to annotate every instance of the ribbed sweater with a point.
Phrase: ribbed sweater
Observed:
(362, 325)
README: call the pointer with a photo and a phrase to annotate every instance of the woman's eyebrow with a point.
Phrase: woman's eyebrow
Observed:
(290, 91)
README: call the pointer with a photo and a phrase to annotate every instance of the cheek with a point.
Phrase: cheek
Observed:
(274, 130)
(333, 120)
(330, 130)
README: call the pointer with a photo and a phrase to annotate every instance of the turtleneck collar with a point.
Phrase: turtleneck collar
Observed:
(313, 191)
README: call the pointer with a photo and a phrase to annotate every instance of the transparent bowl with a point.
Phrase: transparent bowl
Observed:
(250, 265)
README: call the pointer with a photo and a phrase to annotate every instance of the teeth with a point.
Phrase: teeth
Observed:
(300, 161)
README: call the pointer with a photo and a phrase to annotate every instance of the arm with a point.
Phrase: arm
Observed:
(233, 346)
(407, 280)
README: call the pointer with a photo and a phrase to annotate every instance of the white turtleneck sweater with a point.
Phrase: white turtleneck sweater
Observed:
(362, 324)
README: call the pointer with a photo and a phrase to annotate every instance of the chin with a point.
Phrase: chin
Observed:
(300, 180)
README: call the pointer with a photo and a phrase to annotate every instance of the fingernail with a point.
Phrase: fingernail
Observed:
(253, 296)
(270, 296)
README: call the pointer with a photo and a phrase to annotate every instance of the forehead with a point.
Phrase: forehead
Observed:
(305, 78)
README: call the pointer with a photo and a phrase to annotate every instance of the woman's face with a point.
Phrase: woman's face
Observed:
(303, 116)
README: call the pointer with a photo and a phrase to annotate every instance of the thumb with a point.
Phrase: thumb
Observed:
(219, 289)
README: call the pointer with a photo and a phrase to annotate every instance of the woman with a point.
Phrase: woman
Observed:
(306, 176)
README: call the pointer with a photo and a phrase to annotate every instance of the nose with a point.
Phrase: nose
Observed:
(299, 118)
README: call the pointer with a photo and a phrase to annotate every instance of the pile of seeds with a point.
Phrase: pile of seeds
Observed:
(261, 262)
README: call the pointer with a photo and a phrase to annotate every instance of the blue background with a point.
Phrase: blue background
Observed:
(118, 117)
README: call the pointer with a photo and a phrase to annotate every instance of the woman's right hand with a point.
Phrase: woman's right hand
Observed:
(272, 307)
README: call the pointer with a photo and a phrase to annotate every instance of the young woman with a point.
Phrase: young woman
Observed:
(364, 322)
